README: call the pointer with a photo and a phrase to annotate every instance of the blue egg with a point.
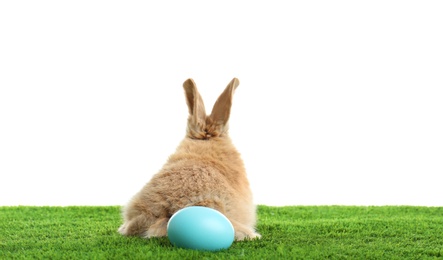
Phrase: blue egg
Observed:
(200, 228)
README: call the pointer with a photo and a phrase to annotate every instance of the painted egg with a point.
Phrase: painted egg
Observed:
(200, 228)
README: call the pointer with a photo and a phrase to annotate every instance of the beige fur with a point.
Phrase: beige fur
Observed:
(206, 170)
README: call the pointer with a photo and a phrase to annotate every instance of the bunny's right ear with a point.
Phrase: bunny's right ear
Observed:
(195, 104)
(222, 107)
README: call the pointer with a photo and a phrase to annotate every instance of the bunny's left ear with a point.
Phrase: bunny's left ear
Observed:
(222, 107)
(195, 103)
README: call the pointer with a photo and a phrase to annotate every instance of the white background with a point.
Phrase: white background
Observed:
(340, 102)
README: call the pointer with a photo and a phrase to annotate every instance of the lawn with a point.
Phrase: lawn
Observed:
(296, 232)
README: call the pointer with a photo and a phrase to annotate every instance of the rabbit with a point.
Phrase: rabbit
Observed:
(205, 170)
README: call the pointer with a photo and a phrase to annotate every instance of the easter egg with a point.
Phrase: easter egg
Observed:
(200, 228)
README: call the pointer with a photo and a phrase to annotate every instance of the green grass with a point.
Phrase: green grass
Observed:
(299, 232)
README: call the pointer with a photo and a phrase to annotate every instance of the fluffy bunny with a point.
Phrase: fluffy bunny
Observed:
(205, 170)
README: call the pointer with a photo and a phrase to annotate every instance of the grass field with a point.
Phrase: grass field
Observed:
(299, 232)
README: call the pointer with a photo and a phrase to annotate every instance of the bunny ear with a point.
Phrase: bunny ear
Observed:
(195, 102)
(222, 107)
